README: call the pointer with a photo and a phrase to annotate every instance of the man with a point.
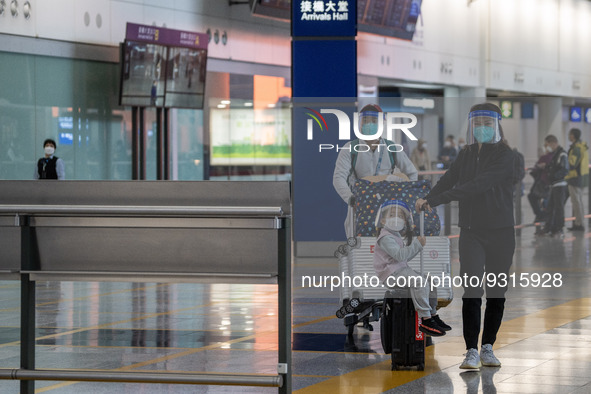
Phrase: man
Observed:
(50, 166)
(538, 194)
(557, 170)
(448, 153)
(578, 176)
(360, 158)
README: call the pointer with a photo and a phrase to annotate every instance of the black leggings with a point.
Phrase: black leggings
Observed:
(491, 252)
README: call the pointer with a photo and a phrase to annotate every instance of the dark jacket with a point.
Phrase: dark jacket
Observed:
(47, 168)
(482, 182)
(558, 166)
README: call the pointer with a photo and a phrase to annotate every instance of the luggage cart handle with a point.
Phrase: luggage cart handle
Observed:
(352, 221)
(422, 233)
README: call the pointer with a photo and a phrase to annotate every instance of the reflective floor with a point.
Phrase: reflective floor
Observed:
(544, 342)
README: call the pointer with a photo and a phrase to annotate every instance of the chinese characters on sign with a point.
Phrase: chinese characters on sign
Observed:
(148, 33)
(321, 10)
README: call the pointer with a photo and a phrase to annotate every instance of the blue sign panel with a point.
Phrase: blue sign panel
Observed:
(576, 114)
(325, 68)
(324, 18)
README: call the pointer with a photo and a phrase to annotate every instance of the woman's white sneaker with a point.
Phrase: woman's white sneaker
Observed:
(488, 357)
(472, 360)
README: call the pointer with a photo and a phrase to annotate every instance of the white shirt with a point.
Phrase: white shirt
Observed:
(366, 165)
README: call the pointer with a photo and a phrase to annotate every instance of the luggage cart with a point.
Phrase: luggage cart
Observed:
(364, 303)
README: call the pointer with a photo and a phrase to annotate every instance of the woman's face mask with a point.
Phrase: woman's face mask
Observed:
(49, 150)
(484, 134)
(395, 224)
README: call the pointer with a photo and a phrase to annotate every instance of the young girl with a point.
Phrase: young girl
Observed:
(391, 256)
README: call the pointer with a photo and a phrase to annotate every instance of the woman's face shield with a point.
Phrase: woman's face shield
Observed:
(483, 127)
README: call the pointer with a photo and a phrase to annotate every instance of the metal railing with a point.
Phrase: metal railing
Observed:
(42, 225)
(516, 202)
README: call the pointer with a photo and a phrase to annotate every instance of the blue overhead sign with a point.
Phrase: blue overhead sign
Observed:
(576, 114)
(588, 115)
(324, 18)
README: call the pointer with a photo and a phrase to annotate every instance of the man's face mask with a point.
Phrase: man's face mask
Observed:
(369, 128)
(49, 150)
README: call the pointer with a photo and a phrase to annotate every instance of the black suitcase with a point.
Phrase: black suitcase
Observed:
(399, 331)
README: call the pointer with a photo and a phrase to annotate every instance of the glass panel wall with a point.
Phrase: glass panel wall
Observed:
(243, 132)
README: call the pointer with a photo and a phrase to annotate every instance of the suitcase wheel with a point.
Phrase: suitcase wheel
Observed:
(352, 241)
(349, 308)
(340, 314)
(337, 254)
(354, 302)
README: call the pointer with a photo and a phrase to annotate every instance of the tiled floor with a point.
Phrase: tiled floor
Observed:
(544, 343)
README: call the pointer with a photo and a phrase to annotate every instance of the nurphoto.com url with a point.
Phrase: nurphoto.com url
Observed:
(524, 279)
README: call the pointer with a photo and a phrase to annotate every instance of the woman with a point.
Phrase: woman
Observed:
(481, 180)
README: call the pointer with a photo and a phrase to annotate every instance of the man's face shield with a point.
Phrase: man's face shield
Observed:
(368, 122)
(483, 127)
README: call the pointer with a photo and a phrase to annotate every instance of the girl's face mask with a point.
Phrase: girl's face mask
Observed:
(395, 224)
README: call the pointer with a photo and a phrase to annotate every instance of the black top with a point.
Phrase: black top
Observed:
(482, 182)
(46, 168)
(558, 166)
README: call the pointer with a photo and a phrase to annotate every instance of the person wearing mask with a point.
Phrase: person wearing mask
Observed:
(538, 194)
(448, 153)
(50, 166)
(461, 143)
(481, 179)
(362, 158)
(557, 170)
(420, 157)
(395, 247)
(578, 176)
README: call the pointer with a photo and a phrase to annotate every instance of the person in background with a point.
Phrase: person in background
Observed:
(50, 166)
(518, 173)
(557, 170)
(481, 179)
(578, 176)
(420, 158)
(538, 194)
(461, 143)
(448, 153)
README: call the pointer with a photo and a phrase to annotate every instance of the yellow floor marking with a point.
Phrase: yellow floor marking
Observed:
(319, 320)
(378, 378)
